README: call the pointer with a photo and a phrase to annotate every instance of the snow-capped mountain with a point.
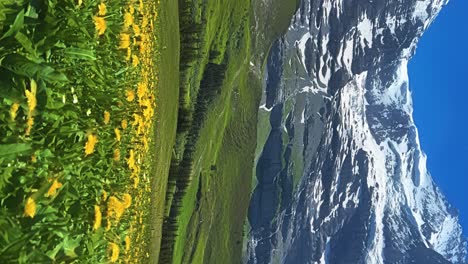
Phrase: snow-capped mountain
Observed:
(342, 177)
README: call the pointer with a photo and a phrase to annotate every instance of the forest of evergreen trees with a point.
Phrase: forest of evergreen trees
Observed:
(190, 121)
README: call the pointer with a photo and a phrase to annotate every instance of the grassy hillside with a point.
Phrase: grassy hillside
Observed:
(128, 129)
(209, 223)
(211, 170)
(166, 110)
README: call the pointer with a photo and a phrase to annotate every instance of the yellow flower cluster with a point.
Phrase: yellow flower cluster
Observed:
(32, 103)
(99, 21)
(127, 200)
(102, 9)
(97, 217)
(53, 188)
(90, 144)
(114, 252)
(117, 134)
(115, 208)
(14, 111)
(106, 117)
(30, 207)
(128, 243)
(137, 41)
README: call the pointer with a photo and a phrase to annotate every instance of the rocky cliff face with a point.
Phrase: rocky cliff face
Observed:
(341, 177)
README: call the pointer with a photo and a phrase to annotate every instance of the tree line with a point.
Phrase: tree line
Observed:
(190, 121)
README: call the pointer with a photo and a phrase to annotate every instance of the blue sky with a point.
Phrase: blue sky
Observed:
(439, 82)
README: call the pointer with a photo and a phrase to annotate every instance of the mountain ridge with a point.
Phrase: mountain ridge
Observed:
(340, 110)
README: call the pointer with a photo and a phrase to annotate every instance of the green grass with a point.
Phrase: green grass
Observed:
(166, 112)
(272, 20)
(210, 226)
(214, 208)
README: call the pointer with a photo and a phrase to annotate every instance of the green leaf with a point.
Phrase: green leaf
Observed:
(14, 149)
(69, 246)
(26, 43)
(31, 12)
(22, 66)
(5, 178)
(52, 253)
(17, 25)
(80, 53)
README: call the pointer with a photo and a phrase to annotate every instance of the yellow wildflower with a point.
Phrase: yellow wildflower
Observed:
(97, 217)
(124, 124)
(31, 97)
(33, 158)
(128, 20)
(30, 208)
(127, 200)
(117, 134)
(141, 6)
(132, 10)
(136, 119)
(136, 30)
(141, 126)
(135, 60)
(14, 111)
(145, 143)
(114, 252)
(115, 208)
(106, 117)
(104, 195)
(29, 124)
(144, 22)
(90, 144)
(100, 25)
(109, 225)
(124, 41)
(142, 88)
(53, 188)
(80, 2)
(131, 160)
(102, 9)
(130, 95)
(129, 54)
(127, 243)
(148, 112)
(136, 180)
(116, 154)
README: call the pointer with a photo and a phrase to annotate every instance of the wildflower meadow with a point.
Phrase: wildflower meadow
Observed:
(77, 89)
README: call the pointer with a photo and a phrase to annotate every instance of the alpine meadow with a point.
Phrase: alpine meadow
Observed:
(220, 132)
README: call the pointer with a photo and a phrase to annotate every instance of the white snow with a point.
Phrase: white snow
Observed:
(303, 117)
(347, 57)
(263, 107)
(301, 45)
(324, 62)
(397, 94)
(443, 239)
(365, 28)
(390, 20)
(314, 90)
(420, 10)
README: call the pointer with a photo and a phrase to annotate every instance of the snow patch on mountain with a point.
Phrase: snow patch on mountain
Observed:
(365, 28)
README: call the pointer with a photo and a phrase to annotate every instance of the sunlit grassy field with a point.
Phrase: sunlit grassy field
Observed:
(78, 89)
